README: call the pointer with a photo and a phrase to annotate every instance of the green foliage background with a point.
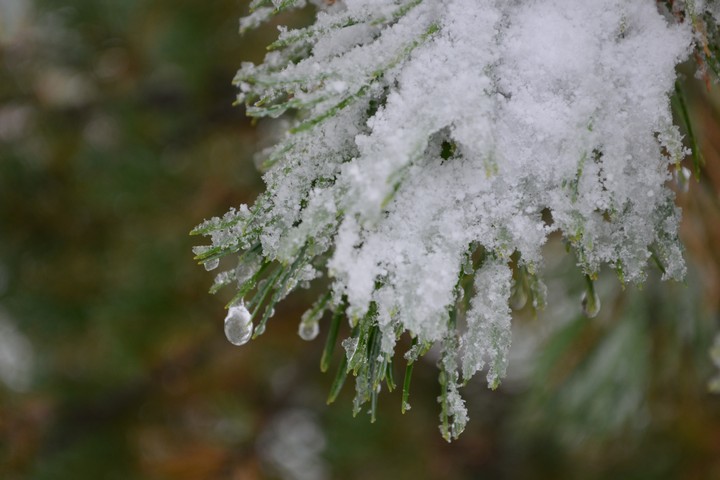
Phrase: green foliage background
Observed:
(117, 136)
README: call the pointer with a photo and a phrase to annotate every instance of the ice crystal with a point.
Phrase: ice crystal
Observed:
(436, 141)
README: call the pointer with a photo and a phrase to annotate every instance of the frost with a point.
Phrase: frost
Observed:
(434, 143)
(488, 333)
(212, 264)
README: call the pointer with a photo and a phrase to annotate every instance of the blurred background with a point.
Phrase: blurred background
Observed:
(117, 136)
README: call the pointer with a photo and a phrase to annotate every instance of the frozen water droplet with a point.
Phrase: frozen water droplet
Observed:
(238, 325)
(211, 264)
(518, 297)
(590, 304)
(682, 179)
(260, 329)
(468, 267)
(308, 330)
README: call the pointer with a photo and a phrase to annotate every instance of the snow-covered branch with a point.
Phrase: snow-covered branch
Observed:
(435, 144)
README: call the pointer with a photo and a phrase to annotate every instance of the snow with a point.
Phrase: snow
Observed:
(422, 130)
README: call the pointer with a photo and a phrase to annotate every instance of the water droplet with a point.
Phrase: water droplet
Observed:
(518, 297)
(211, 264)
(238, 325)
(590, 304)
(308, 330)
(468, 267)
(682, 179)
